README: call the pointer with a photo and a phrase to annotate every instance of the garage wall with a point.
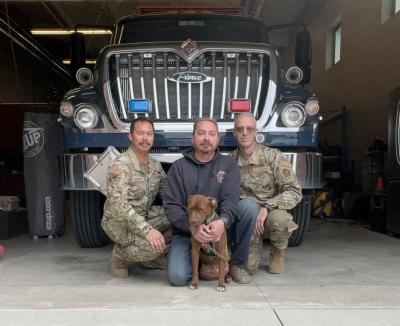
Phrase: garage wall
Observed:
(368, 71)
(34, 76)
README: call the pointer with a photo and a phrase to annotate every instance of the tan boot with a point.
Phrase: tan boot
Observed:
(254, 254)
(276, 263)
(119, 268)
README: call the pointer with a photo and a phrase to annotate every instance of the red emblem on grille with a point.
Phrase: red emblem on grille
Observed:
(189, 46)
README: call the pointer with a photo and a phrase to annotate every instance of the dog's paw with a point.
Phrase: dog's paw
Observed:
(221, 288)
(193, 286)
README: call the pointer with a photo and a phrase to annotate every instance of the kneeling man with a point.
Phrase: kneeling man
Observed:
(268, 189)
(140, 231)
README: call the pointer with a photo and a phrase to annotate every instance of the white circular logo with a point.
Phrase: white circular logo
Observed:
(33, 139)
(260, 138)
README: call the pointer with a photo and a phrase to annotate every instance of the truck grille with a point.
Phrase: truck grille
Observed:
(242, 74)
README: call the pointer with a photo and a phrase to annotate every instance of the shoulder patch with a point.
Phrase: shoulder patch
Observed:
(285, 163)
(286, 172)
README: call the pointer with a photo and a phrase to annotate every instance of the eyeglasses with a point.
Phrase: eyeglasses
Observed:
(248, 130)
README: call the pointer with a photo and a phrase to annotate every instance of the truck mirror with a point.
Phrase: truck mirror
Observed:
(303, 54)
(78, 51)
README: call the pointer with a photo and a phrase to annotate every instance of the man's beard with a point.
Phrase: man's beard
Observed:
(205, 150)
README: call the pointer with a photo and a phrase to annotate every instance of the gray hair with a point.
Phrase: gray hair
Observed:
(244, 114)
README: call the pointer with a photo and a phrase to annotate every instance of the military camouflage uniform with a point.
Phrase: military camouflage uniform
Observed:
(128, 211)
(267, 178)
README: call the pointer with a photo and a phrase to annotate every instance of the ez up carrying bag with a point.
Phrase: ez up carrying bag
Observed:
(42, 139)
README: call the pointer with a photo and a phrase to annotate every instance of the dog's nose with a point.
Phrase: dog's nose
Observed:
(195, 223)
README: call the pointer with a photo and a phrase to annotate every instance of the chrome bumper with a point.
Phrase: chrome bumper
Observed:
(308, 167)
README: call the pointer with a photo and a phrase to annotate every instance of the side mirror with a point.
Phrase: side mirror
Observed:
(77, 52)
(303, 54)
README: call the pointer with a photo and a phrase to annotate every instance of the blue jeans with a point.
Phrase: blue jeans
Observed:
(180, 260)
(241, 232)
(239, 235)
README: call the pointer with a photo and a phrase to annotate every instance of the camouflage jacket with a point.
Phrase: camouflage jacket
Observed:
(131, 190)
(267, 177)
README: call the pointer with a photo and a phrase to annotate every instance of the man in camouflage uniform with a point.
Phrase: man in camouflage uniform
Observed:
(268, 189)
(140, 231)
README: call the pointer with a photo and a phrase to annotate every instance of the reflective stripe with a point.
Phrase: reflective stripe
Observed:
(121, 98)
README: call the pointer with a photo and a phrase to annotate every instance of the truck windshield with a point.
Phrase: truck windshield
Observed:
(197, 29)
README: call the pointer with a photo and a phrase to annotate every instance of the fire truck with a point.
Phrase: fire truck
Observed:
(176, 68)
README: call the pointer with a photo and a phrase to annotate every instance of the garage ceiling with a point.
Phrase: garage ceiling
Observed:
(69, 14)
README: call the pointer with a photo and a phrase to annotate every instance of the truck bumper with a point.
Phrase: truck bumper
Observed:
(308, 167)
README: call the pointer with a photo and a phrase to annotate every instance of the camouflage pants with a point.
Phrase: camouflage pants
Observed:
(277, 228)
(133, 247)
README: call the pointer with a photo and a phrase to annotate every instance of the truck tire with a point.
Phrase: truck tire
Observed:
(301, 215)
(86, 214)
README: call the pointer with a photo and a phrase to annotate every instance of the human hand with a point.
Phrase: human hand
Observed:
(201, 233)
(261, 217)
(216, 229)
(156, 239)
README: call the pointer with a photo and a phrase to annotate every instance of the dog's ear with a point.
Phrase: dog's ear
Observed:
(189, 200)
(213, 202)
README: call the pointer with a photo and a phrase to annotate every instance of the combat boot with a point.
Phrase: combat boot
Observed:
(119, 268)
(254, 254)
(276, 263)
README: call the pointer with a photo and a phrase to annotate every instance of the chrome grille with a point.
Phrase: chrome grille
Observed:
(144, 75)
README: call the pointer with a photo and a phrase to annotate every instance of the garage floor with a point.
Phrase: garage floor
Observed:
(342, 275)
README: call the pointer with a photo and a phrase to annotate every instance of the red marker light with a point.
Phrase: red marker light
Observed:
(239, 105)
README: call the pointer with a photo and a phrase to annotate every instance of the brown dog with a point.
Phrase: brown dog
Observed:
(201, 210)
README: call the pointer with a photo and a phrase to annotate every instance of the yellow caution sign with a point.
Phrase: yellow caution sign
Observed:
(322, 204)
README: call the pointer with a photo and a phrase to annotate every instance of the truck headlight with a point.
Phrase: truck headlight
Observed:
(66, 109)
(293, 115)
(312, 106)
(86, 117)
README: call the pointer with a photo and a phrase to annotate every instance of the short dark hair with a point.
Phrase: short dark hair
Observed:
(213, 121)
(140, 119)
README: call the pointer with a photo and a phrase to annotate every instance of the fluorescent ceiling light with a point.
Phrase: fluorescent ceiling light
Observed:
(68, 31)
(87, 61)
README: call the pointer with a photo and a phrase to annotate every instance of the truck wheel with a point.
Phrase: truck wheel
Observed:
(86, 214)
(301, 215)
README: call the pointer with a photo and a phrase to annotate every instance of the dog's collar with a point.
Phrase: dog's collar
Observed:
(211, 218)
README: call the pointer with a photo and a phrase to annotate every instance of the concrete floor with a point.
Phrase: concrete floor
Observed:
(342, 275)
